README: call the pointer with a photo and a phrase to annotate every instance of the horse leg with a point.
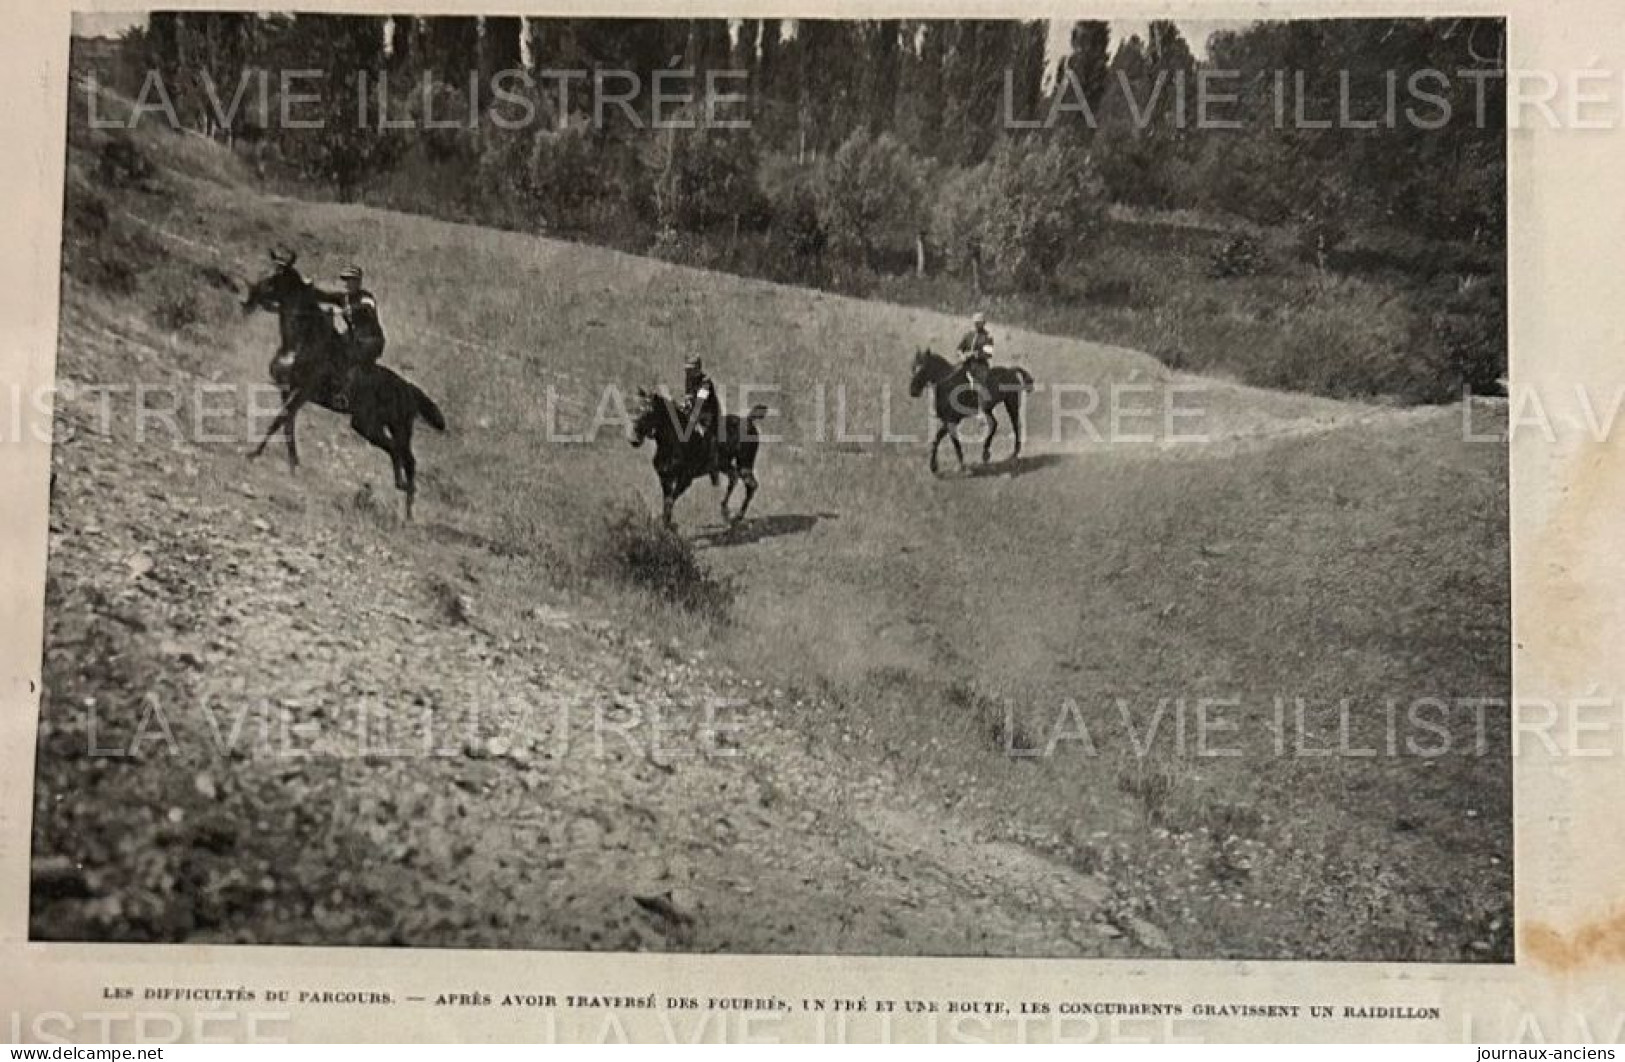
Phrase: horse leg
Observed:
(959, 451)
(733, 478)
(408, 465)
(942, 429)
(293, 446)
(670, 490)
(678, 488)
(1012, 406)
(992, 430)
(379, 435)
(284, 417)
(750, 492)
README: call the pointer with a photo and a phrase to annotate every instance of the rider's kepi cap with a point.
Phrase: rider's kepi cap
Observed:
(979, 318)
(351, 272)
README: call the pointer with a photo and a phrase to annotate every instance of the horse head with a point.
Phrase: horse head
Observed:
(927, 369)
(278, 287)
(646, 421)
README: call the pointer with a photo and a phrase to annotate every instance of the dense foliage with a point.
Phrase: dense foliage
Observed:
(855, 151)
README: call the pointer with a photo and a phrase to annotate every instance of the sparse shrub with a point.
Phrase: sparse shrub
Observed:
(114, 275)
(121, 164)
(1318, 236)
(443, 141)
(1109, 291)
(1004, 730)
(98, 247)
(176, 309)
(503, 174)
(176, 312)
(366, 505)
(633, 549)
(704, 178)
(958, 218)
(1225, 820)
(871, 188)
(1172, 355)
(1351, 339)
(561, 181)
(1152, 787)
(450, 602)
(1023, 214)
(216, 278)
(1229, 866)
(1251, 175)
(1323, 225)
(795, 235)
(1467, 331)
(88, 214)
(1240, 255)
(1137, 169)
(1054, 209)
(669, 245)
(1081, 852)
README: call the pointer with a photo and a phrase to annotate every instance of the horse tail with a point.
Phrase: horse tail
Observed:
(757, 412)
(1025, 377)
(427, 409)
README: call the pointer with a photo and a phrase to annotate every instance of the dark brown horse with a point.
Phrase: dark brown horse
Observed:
(957, 394)
(681, 454)
(310, 367)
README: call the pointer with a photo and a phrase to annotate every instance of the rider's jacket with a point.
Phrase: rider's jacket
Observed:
(976, 341)
(360, 312)
(701, 395)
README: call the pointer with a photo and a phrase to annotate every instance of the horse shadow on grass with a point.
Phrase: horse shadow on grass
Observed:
(757, 528)
(1015, 466)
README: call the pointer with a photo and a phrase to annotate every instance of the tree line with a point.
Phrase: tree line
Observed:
(878, 145)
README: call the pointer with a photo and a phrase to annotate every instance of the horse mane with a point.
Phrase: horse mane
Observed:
(933, 358)
(935, 369)
(306, 288)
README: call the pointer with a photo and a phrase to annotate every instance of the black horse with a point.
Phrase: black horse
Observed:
(681, 454)
(957, 395)
(310, 367)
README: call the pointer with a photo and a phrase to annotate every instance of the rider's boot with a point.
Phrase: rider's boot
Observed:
(344, 394)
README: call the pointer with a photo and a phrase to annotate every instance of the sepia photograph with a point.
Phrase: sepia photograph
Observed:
(1013, 488)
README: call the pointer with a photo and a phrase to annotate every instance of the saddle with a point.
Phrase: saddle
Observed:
(977, 366)
(336, 385)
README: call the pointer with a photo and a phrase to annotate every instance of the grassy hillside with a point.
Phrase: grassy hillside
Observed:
(1299, 558)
